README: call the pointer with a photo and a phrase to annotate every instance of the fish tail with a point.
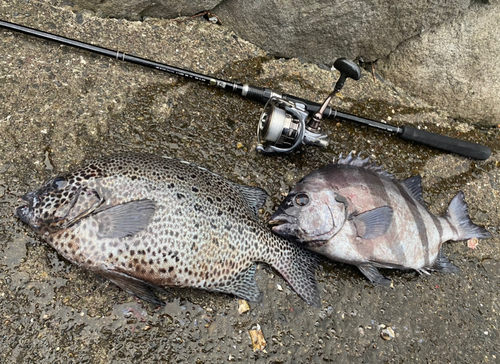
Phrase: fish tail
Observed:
(458, 215)
(298, 268)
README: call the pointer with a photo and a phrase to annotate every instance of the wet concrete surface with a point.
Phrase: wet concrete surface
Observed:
(59, 106)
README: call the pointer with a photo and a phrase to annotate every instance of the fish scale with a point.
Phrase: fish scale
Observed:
(353, 211)
(141, 220)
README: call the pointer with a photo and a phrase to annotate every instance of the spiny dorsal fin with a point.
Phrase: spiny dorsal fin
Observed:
(364, 163)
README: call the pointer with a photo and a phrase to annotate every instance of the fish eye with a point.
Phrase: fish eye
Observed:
(301, 199)
(58, 183)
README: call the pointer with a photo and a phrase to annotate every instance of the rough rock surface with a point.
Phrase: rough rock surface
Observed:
(453, 67)
(321, 31)
(138, 9)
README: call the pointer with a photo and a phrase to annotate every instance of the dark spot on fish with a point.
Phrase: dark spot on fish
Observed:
(209, 199)
(194, 189)
(136, 260)
(197, 207)
(150, 261)
(132, 252)
(219, 213)
(180, 178)
(177, 259)
(180, 196)
(133, 178)
(195, 237)
(163, 270)
(170, 269)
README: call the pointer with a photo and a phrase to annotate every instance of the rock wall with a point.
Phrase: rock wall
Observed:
(454, 67)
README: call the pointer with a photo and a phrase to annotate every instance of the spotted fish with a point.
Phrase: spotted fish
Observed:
(145, 221)
(355, 212)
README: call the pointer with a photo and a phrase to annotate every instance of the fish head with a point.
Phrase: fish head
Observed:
(310, 215)
(61, 202)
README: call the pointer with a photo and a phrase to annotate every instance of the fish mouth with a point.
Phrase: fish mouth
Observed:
(285, 225)
(25, 212)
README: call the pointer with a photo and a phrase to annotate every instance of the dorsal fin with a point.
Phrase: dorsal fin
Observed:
(414, 184)
(364, 163)
(254, 196)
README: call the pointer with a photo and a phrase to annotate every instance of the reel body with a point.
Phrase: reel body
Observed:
(282, 127)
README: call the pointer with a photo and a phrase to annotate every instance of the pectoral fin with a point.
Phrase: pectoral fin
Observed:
(126, 219)
(374, 223)
(132, 285)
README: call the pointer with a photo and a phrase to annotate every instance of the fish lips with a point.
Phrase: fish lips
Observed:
(25, 212)
(285, 225)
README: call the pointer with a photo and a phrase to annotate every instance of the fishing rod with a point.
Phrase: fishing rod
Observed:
(287, 121)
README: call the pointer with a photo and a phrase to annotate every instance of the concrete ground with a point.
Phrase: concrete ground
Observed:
(60, 106)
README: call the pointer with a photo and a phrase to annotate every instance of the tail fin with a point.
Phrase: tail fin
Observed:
(458, 215)
(298, 268)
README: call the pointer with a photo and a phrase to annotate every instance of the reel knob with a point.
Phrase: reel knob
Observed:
(347, 69)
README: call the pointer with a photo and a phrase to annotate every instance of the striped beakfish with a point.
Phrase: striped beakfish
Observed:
(355, 212)
(145, 221)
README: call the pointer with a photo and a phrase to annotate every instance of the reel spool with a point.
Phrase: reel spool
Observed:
(285, 125)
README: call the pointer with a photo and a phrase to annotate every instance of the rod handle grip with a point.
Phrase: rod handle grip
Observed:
(458, 146)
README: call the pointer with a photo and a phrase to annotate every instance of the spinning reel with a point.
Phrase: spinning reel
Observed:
(285, 124)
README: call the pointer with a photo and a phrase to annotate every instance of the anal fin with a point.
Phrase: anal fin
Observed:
(443, 264)
(134, 286)
(244, 286)
(374, 275)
